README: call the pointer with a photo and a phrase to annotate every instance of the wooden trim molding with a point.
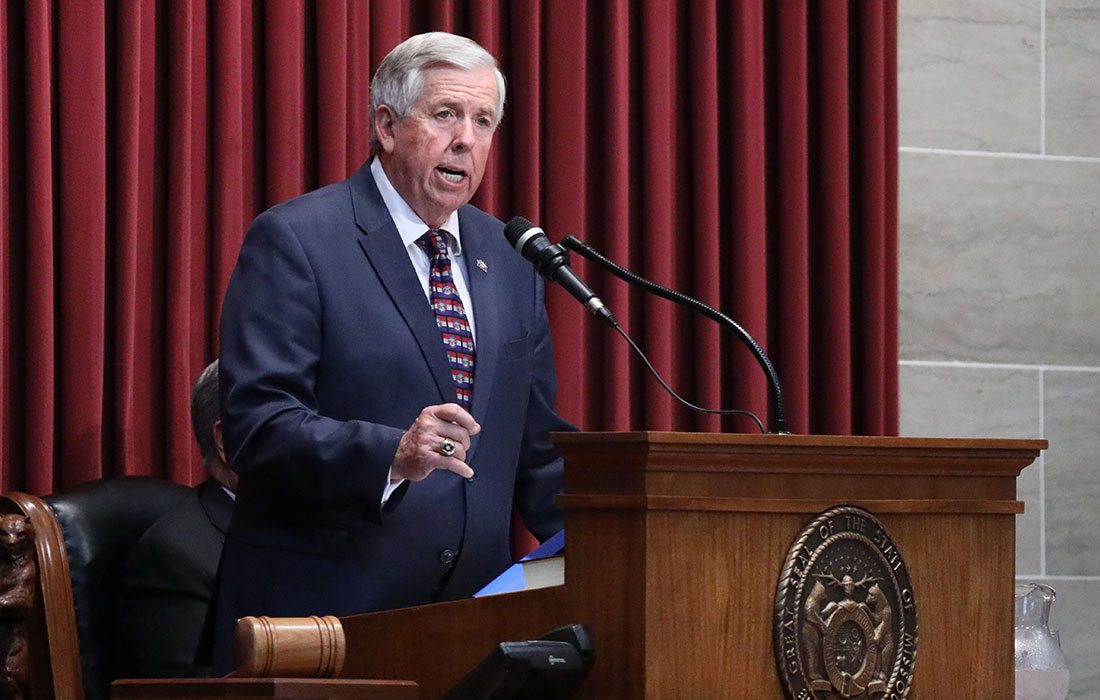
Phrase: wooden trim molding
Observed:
(783, 505)
(256, 688)
(650, 451)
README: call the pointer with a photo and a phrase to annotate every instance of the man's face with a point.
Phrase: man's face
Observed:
(435, 157)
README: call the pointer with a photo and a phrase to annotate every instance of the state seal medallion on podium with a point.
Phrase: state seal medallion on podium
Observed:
(845, 617)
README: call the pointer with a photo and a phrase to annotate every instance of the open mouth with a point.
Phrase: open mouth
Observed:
(451, 174)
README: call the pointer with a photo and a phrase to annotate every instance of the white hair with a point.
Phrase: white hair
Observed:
(400, 77)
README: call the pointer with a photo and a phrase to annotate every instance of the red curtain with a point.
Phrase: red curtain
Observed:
(744, 153)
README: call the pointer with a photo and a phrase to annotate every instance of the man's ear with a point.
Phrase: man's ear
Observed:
(217, 429)
(385, 120)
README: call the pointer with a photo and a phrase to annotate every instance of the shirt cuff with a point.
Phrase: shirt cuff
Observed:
(391, 486)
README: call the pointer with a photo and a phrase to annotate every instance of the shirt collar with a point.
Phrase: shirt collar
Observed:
(409, 226)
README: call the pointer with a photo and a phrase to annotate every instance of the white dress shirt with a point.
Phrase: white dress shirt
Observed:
(411, 227)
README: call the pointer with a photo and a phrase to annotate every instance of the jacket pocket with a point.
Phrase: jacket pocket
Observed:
(516, 349)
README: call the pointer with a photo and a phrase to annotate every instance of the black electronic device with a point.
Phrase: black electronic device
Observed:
(550, 668)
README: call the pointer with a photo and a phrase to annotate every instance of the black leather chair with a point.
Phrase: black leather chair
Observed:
(82, 538)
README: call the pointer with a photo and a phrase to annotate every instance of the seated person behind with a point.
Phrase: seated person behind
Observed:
(170, 573)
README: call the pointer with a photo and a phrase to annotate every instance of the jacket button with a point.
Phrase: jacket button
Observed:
(447, 556)
(469, 480)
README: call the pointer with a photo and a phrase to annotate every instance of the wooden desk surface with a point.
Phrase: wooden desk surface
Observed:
(256, 688)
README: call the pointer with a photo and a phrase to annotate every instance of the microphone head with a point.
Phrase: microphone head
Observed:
(531, 242)
(516, 227)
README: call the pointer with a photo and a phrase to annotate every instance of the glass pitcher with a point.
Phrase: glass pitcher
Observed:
(1041, 672)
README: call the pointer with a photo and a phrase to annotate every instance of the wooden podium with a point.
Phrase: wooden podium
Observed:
(674, 546)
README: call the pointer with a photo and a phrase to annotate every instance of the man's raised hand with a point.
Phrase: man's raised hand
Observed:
(439, 438)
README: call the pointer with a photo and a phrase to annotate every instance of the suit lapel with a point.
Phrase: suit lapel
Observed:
(390, 261)
(216, 503)
(484, 292)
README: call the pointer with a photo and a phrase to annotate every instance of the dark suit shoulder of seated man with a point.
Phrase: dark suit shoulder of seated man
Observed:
(170, 573)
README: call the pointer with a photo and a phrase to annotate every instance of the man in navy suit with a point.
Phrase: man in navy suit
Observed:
(380, 454)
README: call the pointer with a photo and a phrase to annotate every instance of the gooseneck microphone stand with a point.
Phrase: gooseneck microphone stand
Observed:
(778, 424)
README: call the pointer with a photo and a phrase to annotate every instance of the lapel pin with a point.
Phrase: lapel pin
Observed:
(482, 266)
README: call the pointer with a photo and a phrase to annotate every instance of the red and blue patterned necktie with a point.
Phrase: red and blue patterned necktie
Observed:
(450, 316)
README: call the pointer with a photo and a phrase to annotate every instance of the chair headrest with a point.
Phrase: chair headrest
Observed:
(100, 522)
(99, 517)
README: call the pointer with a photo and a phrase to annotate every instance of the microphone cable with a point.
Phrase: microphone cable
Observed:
(681, 399)
(578, 246)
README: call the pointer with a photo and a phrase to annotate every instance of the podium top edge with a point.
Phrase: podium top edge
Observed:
(653, 438)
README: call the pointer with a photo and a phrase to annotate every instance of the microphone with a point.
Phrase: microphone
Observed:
(552, 262)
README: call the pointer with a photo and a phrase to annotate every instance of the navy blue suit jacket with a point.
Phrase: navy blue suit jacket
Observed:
(329, 351)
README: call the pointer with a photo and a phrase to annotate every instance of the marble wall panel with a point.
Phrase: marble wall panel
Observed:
(1072, 424)
(999, 259)
(946, 401)
(968, 74)
(1073, 77)
(999, 262)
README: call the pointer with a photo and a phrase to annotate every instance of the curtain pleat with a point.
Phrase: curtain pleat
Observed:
(331, 82)
(7, 425)
(659, 205)
(5, 271)
(357, 93)
(287, 160)
(612, 219)
(830, 311)
(747, 171)
(125, 178)
(35, 301)
(880, 413)
(231, 171)
(878, 126)
(703, 269)
(564, 149)
(186, 223)
(744, 153)
(790, 269)
(80, 236)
